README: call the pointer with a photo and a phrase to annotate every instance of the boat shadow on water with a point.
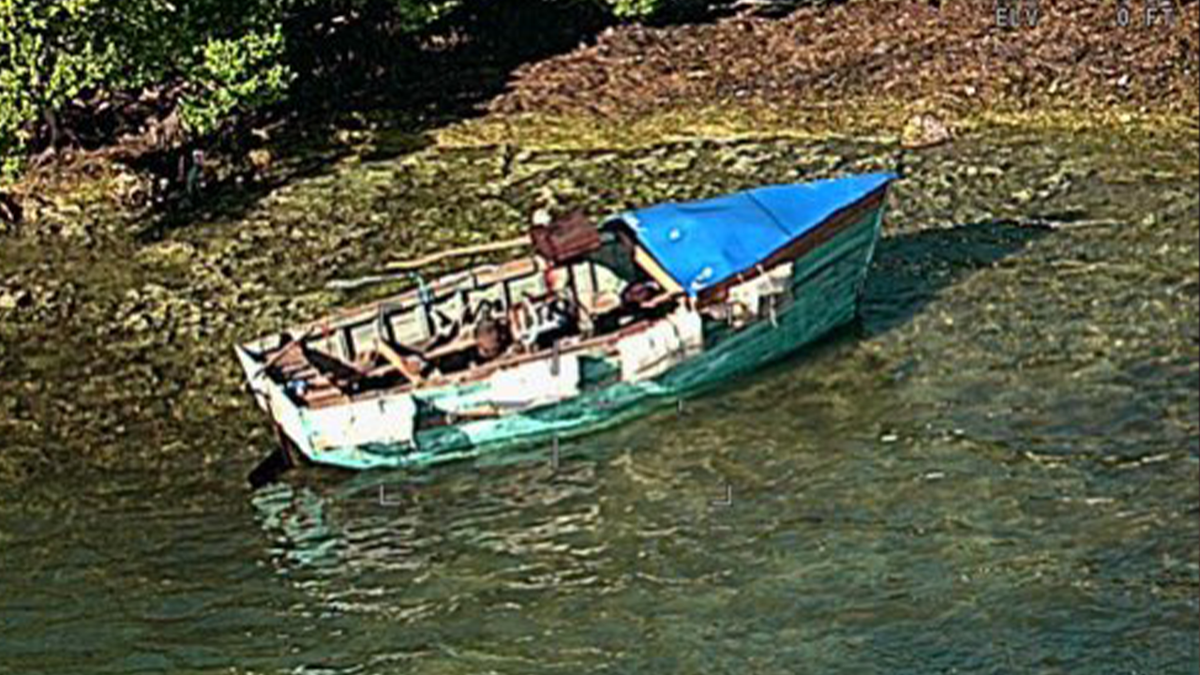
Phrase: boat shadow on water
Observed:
(910, 270)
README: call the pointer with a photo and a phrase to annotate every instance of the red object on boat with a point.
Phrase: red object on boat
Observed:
(566, 238)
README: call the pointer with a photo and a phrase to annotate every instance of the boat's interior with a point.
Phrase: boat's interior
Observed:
(457, 326)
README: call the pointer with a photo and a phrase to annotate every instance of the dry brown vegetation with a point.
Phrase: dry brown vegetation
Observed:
(955, 55)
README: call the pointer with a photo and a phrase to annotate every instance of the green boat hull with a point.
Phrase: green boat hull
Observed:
(826, 284)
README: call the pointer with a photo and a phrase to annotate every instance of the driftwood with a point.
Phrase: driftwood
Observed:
(1068, 224)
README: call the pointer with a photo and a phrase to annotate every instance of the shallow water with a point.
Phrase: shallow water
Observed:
(996, 471)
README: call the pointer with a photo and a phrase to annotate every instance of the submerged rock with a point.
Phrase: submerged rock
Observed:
(924, 130)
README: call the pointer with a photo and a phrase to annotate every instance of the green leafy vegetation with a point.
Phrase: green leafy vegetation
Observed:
(222, 54)
(218, 57)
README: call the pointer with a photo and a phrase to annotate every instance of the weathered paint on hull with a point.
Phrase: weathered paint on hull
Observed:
(826, 285)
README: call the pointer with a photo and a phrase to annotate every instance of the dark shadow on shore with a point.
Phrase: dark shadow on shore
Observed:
(368, 75)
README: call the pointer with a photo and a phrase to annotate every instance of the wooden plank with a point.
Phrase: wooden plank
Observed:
(413, 373)
(457, 345)
(316, 398)
(287, 349)
(604, 343)
(656, 272)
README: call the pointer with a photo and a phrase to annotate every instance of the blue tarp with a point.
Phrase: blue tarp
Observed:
(705, 242)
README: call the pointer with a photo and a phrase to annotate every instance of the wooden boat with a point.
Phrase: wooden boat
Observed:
(598, 322)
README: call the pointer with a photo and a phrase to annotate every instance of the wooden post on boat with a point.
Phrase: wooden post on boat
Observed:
(417, 263)
(269, 470)
(284, 457)
(403, 268)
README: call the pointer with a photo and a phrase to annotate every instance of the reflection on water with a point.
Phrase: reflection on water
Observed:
(385, 523)
(995, 472)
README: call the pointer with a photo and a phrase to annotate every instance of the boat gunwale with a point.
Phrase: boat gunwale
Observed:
(404, 301)
(525, 266)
